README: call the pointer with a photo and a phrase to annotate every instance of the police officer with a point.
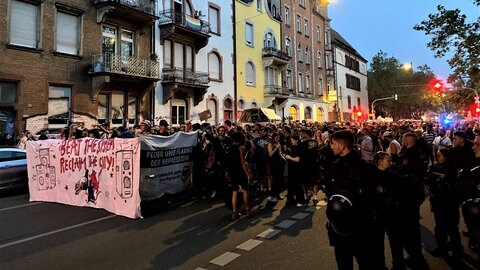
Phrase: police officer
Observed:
(412, 168)
(350, 215)
(441, 181)
(469, 191)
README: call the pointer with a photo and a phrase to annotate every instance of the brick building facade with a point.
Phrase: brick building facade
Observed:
(75, 61)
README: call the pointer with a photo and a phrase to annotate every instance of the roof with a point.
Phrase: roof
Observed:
(341, 42)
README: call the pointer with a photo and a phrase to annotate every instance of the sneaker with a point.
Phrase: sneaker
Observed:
(301, 205)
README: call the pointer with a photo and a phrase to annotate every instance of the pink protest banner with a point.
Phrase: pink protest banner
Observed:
(86, 172)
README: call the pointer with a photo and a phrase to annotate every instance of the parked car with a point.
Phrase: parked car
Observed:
(13, 168)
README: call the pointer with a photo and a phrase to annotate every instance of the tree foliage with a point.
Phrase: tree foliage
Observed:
(387, 78)
(451, 33)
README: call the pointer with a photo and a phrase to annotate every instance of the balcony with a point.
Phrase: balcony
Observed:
(277, 94)
(180, 26)
(139, 12)
(177, 81)
(115, 72)
(124, 65)
(273, 56)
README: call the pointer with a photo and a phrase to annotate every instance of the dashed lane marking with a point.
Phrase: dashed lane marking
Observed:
(269, 233)
(19, 206)
(249, 244)
(300, 215)
(225, 258)
(285, 224)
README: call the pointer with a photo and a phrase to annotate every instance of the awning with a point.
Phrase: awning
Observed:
(258, 115)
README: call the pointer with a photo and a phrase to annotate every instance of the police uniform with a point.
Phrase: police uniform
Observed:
(469, 196)
(350, 178)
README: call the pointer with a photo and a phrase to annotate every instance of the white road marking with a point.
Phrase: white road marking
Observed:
(249, 244)
(19, 206)
(285, 224)
(225, 258)
(300, 215)
(269, 233)
(56, 231)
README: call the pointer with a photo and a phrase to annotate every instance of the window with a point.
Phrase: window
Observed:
(103, 105)
(249, 33)
(307, 56)
(298, 23)
(178, 53)
(307, 84)
(305, 28)
(308, 113)
(8, 92)
(167, 51)
(212, 106)
(109, 39)
(289, 79)
(349, 102)
(352, 82)
(214, 66)
(132, 110)
(271, 76)
(269, 41)
(227, 109)
(127, 42)
(287, 16)
(288, 47)
(352, 63)
(214, 19)
(299, 53)
(117, 109)
(319, 59)
(250, 74)
(293, 113)
(320, 85)
(301, 3)
(179, 111)
(24, 24)
(319, 35)
(67, 33)
(189, 58)
(58, 106)
(259, 5)
(319, 115)
(300, 82)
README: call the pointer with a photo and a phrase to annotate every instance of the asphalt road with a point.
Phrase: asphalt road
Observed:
(192, 234)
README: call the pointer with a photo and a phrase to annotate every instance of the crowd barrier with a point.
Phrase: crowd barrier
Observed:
(114, 174)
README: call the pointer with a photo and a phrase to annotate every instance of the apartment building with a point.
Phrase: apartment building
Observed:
(259, 55)
(305, 34)
(350, 70)
(76, 61)
(195, 46)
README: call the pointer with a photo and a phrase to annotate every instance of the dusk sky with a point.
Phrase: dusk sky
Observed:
(374, 25)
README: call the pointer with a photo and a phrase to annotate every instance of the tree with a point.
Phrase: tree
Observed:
(386, 78)
(450, 31)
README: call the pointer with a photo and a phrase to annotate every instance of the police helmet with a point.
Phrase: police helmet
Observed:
(471, 212)
(340, 214)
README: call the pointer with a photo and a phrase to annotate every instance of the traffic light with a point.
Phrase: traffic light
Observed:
(436, 85)
(359, 114)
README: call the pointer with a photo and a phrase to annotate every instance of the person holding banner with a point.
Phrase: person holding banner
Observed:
(238, 173)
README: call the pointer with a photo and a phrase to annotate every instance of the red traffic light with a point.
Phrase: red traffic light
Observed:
(477, 110)
(436, 85)
(359, 114)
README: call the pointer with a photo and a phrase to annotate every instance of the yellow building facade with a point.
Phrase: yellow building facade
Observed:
(259, 59)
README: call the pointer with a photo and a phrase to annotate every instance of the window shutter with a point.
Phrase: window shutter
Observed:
(249, 34)
(23, 24)
(213, 66)
(67, 33)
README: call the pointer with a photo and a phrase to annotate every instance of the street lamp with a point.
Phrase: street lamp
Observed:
(378, 99)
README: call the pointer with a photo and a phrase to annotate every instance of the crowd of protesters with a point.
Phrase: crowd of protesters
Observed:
(375, 177)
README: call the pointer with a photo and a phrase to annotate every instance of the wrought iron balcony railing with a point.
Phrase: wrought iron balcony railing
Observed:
(129, 65)
(270, 51)
(277, 90)
(170, 16)
(185, 76)
(147, 6)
